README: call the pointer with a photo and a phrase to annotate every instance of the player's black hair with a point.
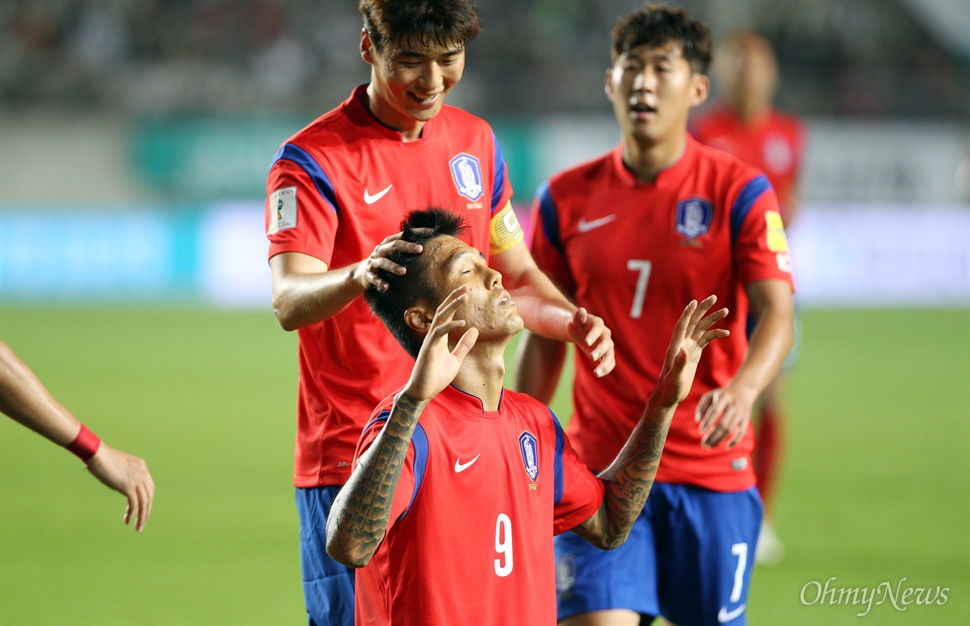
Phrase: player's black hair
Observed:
(655, 25)
(415, 285)
(421, 22)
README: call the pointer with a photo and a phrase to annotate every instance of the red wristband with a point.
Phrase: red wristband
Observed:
(85, 444)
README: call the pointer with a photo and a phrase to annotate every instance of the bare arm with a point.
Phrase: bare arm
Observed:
(25, 399)
(306, 291)
(362, 509)
(547, 312)
(538, 366)
(724, 414)
(630, 476)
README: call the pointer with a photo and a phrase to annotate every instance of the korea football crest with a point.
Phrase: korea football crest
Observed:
(467, 174)
(694, 217)
(529, 447)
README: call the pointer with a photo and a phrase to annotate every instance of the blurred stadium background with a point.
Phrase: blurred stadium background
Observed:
(135, 136)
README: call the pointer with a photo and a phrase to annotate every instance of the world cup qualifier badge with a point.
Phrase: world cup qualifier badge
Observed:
(467, 174)
(528, 446)
(694, 217)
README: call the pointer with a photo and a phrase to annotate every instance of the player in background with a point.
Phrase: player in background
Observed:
(25, 399)
(743, 122)
(452, 517)
(660, 220)
(336, 192)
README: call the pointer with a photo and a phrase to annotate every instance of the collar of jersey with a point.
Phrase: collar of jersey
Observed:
(359, 113)
(670, 177)
(468, 404)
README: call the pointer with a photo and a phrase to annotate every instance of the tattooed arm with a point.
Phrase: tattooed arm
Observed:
(362, 509)
(630, 476)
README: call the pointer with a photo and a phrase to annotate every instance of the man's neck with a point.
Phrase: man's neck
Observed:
(409, 127)
(647, 159)
(482, 374)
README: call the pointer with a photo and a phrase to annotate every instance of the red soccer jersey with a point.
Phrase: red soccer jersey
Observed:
(336, 189)
(636, 254)
(773, 145)
(480, 497)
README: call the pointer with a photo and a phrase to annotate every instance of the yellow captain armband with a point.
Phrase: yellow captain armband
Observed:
(504, 230)
(777, 241)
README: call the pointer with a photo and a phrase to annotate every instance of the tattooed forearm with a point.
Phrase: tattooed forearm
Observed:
(361, 511)
(628, 481)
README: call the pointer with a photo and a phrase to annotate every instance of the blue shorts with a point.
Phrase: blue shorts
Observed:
(328, 586)
(689, 558)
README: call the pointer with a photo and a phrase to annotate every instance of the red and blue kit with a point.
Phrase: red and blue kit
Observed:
(481, 494)
(336, 189)
(774, 145)
(637, 253)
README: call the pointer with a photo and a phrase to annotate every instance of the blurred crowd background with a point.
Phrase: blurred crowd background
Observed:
(125, 117)
(869, 58)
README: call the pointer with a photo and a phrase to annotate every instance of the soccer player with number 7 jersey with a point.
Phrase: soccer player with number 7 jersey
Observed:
(459, 484)
(633, 234)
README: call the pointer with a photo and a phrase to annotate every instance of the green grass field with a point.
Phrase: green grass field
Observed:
(876, 486)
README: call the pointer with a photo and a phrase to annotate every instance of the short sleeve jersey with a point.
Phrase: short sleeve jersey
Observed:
(481, 495)
(636, 253)
(335, 190)
(774, 145)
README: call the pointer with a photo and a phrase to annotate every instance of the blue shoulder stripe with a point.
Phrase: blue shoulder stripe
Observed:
(321, 181)
(420, 442)
(557, 462)
(498, 181)
(745, 200)
(550, 218)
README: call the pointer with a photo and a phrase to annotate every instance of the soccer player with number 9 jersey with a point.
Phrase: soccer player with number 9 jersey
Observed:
(459, 484)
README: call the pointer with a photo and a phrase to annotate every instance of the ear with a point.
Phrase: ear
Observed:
(366, 47)
(608, 84)
(699, 90)
(419, 318)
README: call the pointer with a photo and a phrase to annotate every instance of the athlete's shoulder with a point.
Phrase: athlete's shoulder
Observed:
(784, 119)
(588, 171)
(722, 164)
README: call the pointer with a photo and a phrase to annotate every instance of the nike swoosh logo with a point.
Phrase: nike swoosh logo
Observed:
(369, 199)
(724, 616)
(585, 227)
(461, 467)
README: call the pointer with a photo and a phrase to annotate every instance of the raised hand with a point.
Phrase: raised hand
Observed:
(366, 272)
(591, 334)
(437, 365)
(692, 334)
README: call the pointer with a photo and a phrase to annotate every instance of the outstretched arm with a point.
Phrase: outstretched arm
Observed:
(306, 291)
(25, 399)
(547, 312)
(724, 414)
(630, 476)
(362, 509)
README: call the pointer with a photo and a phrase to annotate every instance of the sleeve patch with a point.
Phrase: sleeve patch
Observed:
(777, 242)
(505, 230)
(282, 206)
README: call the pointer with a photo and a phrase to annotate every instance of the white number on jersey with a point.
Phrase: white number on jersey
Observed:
(503, 545)
(643, 267)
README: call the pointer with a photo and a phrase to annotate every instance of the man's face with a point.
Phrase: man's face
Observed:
(747, 72)
(652, 91)
(452, 263)
(409, 82)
